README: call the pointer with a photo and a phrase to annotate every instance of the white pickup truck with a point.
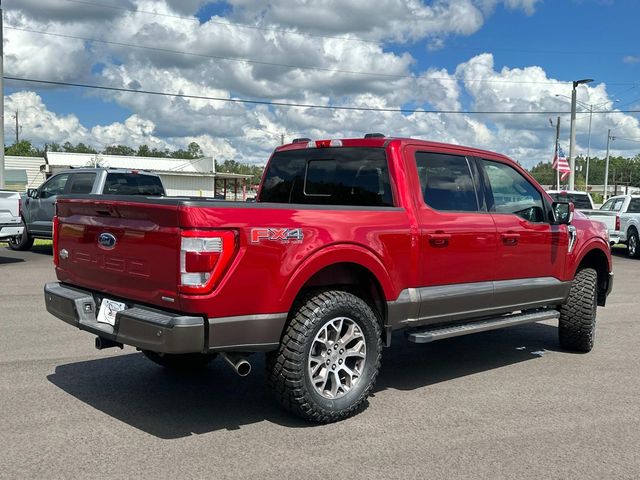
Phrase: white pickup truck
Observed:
(10, 221)
(621, 215)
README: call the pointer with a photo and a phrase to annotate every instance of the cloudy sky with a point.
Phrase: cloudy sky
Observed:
(421, 56)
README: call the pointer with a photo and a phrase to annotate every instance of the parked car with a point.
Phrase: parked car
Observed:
(349, 240)
(581, 200)
(10, 206)
(39, 203)
(621, 214)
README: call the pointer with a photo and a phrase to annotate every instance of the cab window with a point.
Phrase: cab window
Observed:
(510, 192)
(54, 186)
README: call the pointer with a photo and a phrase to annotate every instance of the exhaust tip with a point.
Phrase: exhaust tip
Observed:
(243, 368)
(238, 362)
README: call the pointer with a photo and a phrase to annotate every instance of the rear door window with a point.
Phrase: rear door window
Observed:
(328, 176)
(634, 206)
(446, 182)
(82, 182)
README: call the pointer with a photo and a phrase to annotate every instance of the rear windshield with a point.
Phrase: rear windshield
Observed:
(132, 184)
(579, 200)
(328, 176)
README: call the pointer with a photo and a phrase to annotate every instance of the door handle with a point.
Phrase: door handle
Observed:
(510, 238)
(438, 239)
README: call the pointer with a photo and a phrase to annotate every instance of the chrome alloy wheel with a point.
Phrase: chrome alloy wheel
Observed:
(633, 245)
(337, 357)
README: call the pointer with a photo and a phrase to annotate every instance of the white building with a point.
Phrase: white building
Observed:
(179, 176)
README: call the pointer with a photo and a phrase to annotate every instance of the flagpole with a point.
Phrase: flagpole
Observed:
(557, 156)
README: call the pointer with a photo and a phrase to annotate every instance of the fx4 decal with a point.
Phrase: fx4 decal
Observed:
(284, 235)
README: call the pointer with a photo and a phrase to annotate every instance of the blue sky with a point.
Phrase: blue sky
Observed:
(565, 39)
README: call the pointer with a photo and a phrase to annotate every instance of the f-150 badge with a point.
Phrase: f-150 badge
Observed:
(283, 235)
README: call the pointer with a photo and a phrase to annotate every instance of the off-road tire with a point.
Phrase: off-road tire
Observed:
(181, 361)
(633, 244)
(287, 370)
(577, 325)
(23, 242)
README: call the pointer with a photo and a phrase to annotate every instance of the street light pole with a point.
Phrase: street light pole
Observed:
(586, 175)
(2, 184)
(572, 143)
(606, 168)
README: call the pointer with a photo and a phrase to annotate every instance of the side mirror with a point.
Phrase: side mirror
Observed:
(562, 212)
(32, 192)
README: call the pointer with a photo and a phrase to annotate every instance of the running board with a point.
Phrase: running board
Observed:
(432, 334)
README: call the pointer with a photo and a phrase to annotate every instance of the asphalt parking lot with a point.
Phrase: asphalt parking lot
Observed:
(503, 404)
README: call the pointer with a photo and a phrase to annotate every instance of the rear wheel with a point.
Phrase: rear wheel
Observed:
(21, 242)
(181, 361)
(633, 244)
(577, 325)
(329, 357)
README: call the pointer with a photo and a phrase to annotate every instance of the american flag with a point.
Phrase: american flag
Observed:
(561, 164)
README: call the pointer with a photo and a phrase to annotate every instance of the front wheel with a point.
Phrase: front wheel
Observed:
(633, 246)
(329, 357)
(577, 327)
(21, 242)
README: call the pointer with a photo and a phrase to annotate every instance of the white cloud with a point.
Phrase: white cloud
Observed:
(249, 132)
(631, 59)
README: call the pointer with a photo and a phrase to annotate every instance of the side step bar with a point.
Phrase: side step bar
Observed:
(438, 333)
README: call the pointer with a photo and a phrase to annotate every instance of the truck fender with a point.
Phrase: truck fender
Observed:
(333, 254)
(595, 243)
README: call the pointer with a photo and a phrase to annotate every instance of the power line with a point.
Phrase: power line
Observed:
(204, 55)
(300, 105)
(282, 65)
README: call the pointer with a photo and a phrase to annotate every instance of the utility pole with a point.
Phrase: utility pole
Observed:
(2, 184)
(572, 144)
(555, 154)
(17, 128)
(586, 176)
(606, 167)
(282, 139)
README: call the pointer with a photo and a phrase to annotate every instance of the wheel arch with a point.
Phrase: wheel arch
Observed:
(348, 267)
(597, 259)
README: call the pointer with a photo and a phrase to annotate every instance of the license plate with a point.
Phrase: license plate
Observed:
(108, 310)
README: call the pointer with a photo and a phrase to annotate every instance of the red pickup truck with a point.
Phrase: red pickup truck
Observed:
(348, 241)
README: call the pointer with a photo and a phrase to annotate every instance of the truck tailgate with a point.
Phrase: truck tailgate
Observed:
(9, 207)
(128, 249)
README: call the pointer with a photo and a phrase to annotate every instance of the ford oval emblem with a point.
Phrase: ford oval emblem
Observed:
(106, 241)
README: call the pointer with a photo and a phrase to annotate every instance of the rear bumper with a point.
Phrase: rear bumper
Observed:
(163, 331)
(7, 231)
(138, 326)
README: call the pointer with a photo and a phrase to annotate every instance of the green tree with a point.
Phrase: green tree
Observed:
(79, 148)
(119, 150)
(23, 148)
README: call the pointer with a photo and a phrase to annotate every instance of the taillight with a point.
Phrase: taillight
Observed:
(20, 206)
(204, 258)
(54, 234)
(617, 222)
